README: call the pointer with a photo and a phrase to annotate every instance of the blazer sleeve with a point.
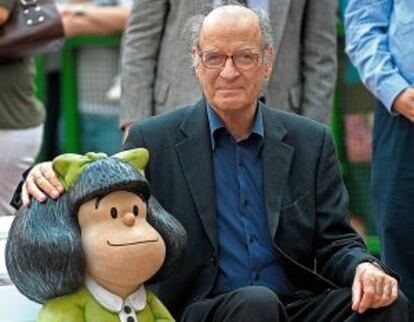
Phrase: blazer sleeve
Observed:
(319, 60)
(139, 60)
(339, 249)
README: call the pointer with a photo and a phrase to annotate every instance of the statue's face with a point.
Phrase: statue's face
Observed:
(121, 248)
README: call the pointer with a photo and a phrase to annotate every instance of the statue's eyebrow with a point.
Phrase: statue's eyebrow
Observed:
(97, 201)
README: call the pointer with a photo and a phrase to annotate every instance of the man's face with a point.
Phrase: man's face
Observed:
(229, 88)
(121, 247)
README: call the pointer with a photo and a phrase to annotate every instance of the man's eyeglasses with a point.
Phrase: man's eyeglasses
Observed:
(242, 59)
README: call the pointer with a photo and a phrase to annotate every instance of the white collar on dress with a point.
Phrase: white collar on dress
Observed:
(112, 302)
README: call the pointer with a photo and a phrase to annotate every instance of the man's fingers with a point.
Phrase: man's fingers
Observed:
(41, 182)
(34, 191)
(390, 293)
(368, 295)
(356, 294)
(368, 291)
(25, 196)
(394, 291)
(46, 187)
(372, 288)
(387, 297)
(47, 172)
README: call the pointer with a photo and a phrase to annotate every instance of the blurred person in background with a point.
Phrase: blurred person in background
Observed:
(379, 42)
(157, 74)
(96, 68)
(21, 120)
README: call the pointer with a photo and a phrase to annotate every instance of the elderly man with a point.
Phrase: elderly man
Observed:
(259, 193)
(155, 80)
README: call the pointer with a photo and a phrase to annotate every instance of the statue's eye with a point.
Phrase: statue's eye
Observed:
(135, 210)
(114, 212)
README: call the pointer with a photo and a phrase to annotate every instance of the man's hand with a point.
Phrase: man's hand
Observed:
(404, 104)
(40, 183)
(372, 288)
(125, 131)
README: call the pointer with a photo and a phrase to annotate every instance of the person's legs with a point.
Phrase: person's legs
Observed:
(246, 304)
(393, 193)
(19, 149)
(335, 306)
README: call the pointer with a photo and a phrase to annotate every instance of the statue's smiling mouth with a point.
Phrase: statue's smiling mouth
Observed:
(133, 243)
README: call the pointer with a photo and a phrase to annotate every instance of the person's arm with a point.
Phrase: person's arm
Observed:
(41, 181)
(93, 20)
(4, 14)
(319, 58)
(139, 61)
(367, 24)
(341, 255)
(5, 7)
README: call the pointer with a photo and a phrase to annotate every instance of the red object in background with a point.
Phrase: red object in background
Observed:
(358, 137)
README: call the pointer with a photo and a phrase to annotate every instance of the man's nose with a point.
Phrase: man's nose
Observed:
(229, 70)
(128, 219)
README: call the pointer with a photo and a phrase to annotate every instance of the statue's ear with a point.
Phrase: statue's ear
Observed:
(138, 158)
(68, 167)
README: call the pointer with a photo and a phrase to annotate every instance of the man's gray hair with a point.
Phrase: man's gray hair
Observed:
(194, 24)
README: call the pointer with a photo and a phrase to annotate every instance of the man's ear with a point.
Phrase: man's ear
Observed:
(268, 57)
(195, 58)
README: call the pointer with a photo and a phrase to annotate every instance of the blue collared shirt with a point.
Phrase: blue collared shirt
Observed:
(246, 254)
(379, 42)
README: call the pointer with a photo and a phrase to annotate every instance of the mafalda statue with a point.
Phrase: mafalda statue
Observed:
(87, 255)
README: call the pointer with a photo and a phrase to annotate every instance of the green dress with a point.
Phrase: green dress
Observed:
(82, 307)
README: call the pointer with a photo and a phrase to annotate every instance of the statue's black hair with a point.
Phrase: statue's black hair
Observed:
(44, 255)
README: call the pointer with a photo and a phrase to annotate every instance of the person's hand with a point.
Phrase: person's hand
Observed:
(372, 288)
(404, 104)
(40, 183)
(4, 14)
(125, 131)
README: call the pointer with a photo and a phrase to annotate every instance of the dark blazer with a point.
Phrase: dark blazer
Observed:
(306, 201)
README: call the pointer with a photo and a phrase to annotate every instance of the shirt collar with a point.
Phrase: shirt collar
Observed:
(215, 123)
(113, 302)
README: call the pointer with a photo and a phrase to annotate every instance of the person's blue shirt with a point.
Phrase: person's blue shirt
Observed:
(246, 252)
(380, 43)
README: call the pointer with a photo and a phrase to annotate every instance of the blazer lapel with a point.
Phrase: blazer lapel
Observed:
(195, 156)
(277, 157)
(278, 12)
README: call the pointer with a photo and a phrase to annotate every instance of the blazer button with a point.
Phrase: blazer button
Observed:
(213, 259)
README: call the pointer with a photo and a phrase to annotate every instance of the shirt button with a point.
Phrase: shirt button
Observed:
(245, 202)
(251, 239)
(127, 309)
(241, 163)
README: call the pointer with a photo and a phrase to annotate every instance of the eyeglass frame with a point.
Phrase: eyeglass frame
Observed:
(258, 56)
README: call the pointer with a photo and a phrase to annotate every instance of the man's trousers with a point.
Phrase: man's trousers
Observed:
(260, 304)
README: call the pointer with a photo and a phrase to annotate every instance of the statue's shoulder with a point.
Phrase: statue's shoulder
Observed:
(158, 311)
(67, 308)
